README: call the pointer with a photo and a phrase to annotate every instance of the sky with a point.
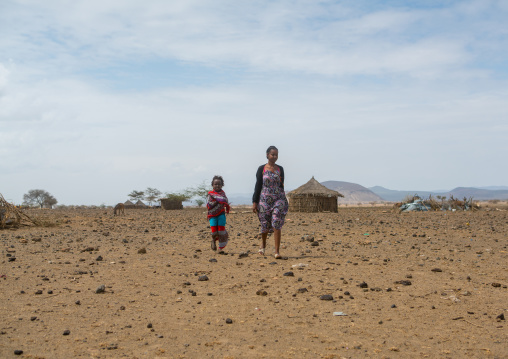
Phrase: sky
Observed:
(100, 98)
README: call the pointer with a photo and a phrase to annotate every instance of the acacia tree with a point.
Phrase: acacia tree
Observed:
(200, 192)
(152, 194)
(136, 195)
(39, 197)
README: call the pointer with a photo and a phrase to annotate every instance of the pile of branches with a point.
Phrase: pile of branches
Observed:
(13, 217)
(439, 203)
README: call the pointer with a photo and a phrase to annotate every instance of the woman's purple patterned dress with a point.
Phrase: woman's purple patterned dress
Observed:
(273, 205)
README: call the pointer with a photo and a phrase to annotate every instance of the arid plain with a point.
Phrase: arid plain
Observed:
(366, 282)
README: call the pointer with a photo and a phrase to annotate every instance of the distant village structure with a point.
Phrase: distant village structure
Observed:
(313, 197)
(167, 204)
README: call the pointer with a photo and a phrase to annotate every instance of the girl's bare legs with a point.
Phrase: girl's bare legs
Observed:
(263, 243)
(276, 236)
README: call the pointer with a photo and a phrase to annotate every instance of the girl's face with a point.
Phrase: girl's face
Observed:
(217, 185)
(272, 156)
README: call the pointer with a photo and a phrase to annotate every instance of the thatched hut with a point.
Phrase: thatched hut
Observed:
(129, 205)
(313, 197)
(140, 203)
(168, 203)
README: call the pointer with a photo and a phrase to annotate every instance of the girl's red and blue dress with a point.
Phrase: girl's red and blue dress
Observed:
(217, 204)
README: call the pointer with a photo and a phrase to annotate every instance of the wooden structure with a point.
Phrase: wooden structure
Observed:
(313, 197)
(167, 203)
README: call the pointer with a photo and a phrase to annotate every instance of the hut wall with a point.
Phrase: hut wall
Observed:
(171, 204)
(313, 204)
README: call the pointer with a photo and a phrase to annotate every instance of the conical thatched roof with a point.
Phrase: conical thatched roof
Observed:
(140, 203)
(314, 188)
(128, 203)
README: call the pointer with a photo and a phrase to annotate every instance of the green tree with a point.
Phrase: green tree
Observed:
(177, 196)
(39, 197)
(136, 195)
(152, 195)
(199, 192)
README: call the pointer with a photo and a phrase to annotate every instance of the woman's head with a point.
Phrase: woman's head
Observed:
(272, 154)
(217, 183)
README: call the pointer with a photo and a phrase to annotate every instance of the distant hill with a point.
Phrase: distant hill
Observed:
(459, 192)
(353, 193)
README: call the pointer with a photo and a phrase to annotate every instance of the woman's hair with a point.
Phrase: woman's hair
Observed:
(271, 148)
(219, 178)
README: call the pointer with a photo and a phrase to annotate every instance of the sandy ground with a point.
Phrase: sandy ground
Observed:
(410, 285)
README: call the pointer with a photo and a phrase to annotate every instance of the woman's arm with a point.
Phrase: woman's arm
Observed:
(259, 185)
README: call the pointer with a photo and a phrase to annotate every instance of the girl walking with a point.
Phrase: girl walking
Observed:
(218, 206)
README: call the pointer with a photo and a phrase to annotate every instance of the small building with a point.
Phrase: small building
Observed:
(140, 204)
(313, 197)
(129, 205)
(168, 203)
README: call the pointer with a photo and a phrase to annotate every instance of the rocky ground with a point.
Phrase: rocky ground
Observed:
(361, 283)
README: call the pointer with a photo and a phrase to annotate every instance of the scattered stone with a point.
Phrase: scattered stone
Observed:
(99, 258)
(18, 352)
(149, 325)
(393, 306)
(12, 259)
(403, 282)
(500, 317)
(363, 285)
(38, 292)
(142, 250)
(100, 289)
(213, 260)
(436, 270)
(203, 278)
(289, 274)
(302, 290)
(261, 292)
(229, 321)
(496, 285)
(326, 297)
(33, 318)
(243, 255)
(314, 244)
(66, 332)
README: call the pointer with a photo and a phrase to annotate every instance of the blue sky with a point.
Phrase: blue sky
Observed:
(101, 98)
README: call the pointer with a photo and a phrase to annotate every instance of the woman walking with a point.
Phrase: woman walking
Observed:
(269, 200)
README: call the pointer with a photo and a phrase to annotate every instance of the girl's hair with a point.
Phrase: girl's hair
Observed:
(219, 178)
(271, 148)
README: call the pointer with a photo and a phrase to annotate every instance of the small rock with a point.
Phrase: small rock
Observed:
(261, 292)
(403, 282)
(436, 270)
(363, 285)
(38, 292)
(289, 274)
(77, 302)
(203, 278)
(302, 290)
(18, 352)
(142, 250)
(229, 321)
(393, 306)
(314, 244)
(99, 258)
(66, 332)
(326, 297)
(149, 325)
(496, 285)
(100, 289)
(243, 255)
(213, 260)
(500, 317)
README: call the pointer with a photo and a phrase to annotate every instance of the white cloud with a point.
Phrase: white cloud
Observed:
(342, 90)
